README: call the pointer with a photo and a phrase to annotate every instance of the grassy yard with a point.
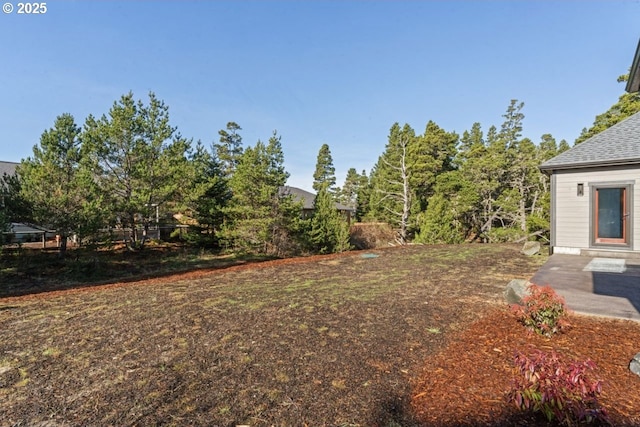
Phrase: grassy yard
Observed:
(334, 340)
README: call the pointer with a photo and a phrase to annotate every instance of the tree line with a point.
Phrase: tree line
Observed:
(119, 171)
(441, 187)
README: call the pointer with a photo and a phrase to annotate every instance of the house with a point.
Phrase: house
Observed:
(308, 199)
(595, 189)
(8, 168)
(19, 232)
(595, 193)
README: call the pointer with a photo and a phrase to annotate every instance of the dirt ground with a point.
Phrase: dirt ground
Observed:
(410, 336)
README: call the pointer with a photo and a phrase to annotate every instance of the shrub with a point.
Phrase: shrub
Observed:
(563, 391)
(543, 311)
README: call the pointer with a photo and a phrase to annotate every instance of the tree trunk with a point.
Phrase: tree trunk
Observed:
(62, 252)
(406, 197)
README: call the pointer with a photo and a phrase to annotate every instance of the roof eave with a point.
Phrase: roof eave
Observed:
(633, 84)
(550, 169)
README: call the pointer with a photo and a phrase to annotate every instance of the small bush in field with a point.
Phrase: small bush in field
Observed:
(543, 311)
(563, 391)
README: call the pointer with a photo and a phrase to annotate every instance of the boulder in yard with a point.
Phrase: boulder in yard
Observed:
(516, 290)
(531, 248)
(634, 366)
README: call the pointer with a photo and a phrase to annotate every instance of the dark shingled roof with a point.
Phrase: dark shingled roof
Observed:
(617, 145)
(307, 198)
(7, 167)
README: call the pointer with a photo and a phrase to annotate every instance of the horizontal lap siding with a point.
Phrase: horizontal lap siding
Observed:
(572, 211)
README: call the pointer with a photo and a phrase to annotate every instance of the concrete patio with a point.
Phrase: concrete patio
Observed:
(595, 286)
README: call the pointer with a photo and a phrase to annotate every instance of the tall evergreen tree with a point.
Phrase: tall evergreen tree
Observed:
(141, 162)
(391, 193)
(511, 129)
(325, 173)
(363, 196)
(429, 155)
(260, 216)
(208, 195)
(56, 184)
(329, 230)
(482, 167)
(470, 141)
(349, 192)
(229, 149)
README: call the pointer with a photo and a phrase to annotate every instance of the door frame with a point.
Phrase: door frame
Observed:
(627, 241)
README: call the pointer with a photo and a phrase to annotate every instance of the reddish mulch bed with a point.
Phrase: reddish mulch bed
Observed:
(415, 336)
(467, 382)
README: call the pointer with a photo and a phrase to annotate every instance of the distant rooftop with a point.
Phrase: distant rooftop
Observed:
(7, 167)
(617, 145)
(307, 198)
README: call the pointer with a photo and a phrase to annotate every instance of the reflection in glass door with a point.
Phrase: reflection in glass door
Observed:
(611, 224)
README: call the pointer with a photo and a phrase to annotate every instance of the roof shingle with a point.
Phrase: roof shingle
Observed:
(617, 145)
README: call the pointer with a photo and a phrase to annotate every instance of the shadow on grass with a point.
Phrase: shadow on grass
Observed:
(25, 271)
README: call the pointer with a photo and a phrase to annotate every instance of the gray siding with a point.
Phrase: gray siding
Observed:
(572, 212)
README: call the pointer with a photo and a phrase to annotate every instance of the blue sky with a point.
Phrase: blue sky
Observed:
(335, 72)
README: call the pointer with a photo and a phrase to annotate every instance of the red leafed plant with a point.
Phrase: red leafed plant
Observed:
(563, 391)
(543, 311)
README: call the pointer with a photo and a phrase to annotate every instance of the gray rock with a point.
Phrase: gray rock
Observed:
(634, 366)
(516, 290)
(531, 248)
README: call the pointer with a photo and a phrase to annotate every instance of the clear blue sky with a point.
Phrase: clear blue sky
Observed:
(335, 72)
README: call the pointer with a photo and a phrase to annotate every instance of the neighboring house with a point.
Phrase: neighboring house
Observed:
(8, 168)
(308, 199)
(595, 193)
(22, 233)
(19, 232)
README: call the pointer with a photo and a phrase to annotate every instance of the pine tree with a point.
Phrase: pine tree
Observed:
(430, 155)
(363, 196)
(348, 194)
(208, 196)
(55, 183)
(520, 172)
(260, 217)
(325, 173)
(391, 193)
(329, 230)
(229, 149)
(482, 164)
(141, 162)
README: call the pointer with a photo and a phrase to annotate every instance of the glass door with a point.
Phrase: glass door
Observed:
(611, 215)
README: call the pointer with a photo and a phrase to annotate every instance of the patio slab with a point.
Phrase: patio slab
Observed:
(595, 286)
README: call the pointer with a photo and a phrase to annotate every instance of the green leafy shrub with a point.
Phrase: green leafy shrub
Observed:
(505, 234)
(543, 311)
(563, 391)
